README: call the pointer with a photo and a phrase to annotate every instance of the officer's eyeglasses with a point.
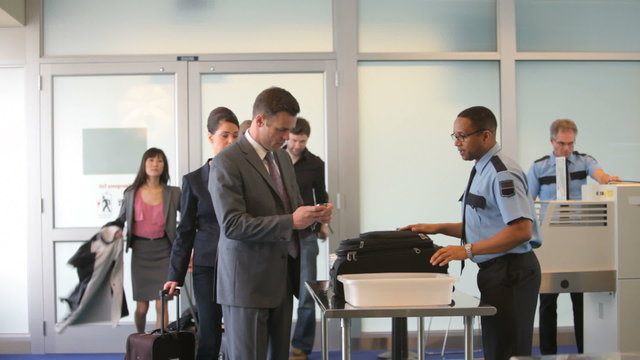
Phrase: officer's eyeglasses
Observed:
(463, 137)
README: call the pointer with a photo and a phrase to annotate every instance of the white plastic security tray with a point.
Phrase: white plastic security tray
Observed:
(397, 289)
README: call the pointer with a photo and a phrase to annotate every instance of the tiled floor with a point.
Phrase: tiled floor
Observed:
(434, 354)
(333, 355)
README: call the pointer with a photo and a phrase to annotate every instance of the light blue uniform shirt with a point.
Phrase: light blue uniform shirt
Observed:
(542, 175)
(498, 195)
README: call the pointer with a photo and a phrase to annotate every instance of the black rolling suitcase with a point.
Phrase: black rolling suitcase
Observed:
(162, 344)
(383, 251)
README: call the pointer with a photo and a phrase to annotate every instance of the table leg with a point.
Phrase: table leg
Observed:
(346, 339)
(468, 337)
(421, 348)
(325, 338)
(399, 341)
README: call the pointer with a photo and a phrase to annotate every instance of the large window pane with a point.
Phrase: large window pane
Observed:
(96, 27)
(13, 221)
(427, 25)
(101, 127)
(410, 170)
(570, 25)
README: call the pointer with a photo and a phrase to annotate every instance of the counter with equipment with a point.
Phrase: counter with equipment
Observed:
(592, 246)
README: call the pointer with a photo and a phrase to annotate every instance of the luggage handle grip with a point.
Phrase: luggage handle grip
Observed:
(163, 294)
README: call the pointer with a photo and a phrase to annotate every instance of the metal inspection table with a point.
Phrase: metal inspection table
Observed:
(462, 305)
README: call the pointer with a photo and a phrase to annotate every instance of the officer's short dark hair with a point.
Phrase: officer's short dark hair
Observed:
(481, 118)
(274, 100)
(302, 127)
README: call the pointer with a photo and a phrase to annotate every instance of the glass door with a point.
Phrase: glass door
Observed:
(236, 85)
(97, 122)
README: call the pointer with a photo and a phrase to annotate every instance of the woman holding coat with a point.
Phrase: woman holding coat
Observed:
(149, 211)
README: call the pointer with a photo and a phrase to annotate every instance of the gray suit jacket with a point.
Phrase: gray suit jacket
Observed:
(171, 204)
(254, 228)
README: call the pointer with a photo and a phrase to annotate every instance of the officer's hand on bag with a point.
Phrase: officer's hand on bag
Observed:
(423, 228)
(448, 253)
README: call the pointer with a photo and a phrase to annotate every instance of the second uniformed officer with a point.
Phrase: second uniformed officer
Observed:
(498, 231)
(542, 184)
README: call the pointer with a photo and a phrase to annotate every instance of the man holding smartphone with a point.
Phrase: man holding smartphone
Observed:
(309, 170)
(258, 206)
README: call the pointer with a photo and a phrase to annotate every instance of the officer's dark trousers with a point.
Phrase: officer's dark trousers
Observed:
(511, 284)
(549, 322)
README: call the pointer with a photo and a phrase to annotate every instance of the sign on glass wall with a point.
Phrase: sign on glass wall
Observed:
(102, 125)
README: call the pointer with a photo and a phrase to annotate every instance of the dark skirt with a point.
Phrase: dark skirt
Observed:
(149, 267)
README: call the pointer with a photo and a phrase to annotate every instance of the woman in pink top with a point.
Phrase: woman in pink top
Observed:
(149, 211)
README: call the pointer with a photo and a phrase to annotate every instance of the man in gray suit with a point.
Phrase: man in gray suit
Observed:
(257, 202)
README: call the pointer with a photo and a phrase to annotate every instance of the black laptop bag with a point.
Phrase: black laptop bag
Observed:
(383, 251)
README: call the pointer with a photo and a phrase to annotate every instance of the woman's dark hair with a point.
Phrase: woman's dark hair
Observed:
(219, 115)
(141, 177)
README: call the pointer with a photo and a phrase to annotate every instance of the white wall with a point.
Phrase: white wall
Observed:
(13, 214)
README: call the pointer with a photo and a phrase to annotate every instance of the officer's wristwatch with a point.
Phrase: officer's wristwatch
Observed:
(467, 249)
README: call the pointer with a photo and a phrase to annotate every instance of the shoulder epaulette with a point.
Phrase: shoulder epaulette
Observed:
(542, 158)
(583, 155)
(498, 164)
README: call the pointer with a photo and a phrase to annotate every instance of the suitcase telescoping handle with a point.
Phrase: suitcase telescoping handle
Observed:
(163, 294)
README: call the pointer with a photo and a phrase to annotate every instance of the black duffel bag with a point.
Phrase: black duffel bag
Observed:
(383, 251)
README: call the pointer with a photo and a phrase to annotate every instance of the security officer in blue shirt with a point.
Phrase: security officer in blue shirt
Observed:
(498, 231)
(542, 184)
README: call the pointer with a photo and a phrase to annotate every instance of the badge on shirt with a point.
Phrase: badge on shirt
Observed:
(507, 188)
